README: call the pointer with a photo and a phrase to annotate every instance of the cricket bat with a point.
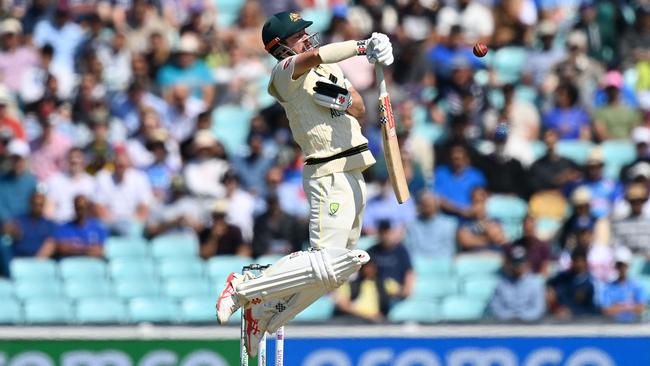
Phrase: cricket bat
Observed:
(389, 137)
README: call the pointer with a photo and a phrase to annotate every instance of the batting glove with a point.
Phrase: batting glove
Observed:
(330, 95)
(380, 49)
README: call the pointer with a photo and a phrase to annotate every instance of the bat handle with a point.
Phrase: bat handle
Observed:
(379, 76)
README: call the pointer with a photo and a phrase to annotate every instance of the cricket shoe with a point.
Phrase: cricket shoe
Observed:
(229, 301)
(257, 316)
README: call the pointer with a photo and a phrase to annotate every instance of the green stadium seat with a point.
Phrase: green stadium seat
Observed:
(101, 310)
(199, 309)
(320, 16)
(32, 268)
(366, 242)
(320, 311)
(415, 311)
(6, 290)
(10, 311)
(220, 267)
(637, 266)
(539, 149)
(617, 153)
(231, 126)
(434, 288)
(121, 247)
(86, 288)
(131, 267)
(510, 211)
(26, 290)
(508, 63)
(136, 287)
(180, 288)
(82, 267)
(50, 310)
(462, 308)
(227, 11)
(154, 310)
(477, 264)
(175, 246)
(425, 266)
(575, 150)
(480, 288)
(268, 259)
(183, 267)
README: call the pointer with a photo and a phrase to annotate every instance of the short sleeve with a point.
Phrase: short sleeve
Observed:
(282, 84)
(640, 296)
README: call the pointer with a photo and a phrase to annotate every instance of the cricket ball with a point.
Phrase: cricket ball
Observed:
(480, 50)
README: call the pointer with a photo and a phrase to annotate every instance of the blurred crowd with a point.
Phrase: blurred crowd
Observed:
(117, 119)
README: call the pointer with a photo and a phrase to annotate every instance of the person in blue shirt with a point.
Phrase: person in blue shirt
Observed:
(432, 234)
(455, 183)
(31, 233)
(623, 300)
(188, 70)
(567, 117)
(18, 184)
(83, 236)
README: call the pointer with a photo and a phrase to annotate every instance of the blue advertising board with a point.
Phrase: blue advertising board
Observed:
(506, 351)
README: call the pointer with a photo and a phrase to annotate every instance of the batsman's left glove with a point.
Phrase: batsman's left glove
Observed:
(330, 95)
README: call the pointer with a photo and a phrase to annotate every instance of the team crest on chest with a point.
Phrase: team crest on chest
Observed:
(334, 208)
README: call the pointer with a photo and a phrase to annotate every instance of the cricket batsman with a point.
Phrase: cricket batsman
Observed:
(323, 109)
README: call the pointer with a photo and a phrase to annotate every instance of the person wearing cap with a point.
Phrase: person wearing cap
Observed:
(641, 139)
(633, 231)
(99, 151)
(323, 110)
(15, 57)
(604, 191)
(571, 293)
(221, 237)
(615, 120)
(18, 183)
(582, 216)
(623, 300)
(188, 70)
(204, 171)
(519, 295)
(540, 61)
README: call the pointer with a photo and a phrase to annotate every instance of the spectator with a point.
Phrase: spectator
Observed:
(253, 165)
(641, 138)
(480, 232)
(49, 150)
(540, 62)
(634, 42)
(64, 186)
(128, 106)
(184, 108)
(474, 17)
(116, 59)
(384, 206)
(455, 183)
(241, 205)
(538, 252)
(460, 126)
(442, 54)
(615, 120)
(84, 235)
(571, 293)
(17, 184)
(393, 262)
(604, 191)
(552, 171)
(638, 174)
(34, 82)
(599, 254)
(519, 295)
(581, 217)
(7, 121)
(160, 172)
(123, 196)
(221, 237)
(623, 300)
(151, 131)
(62, 33)
(364, 297)
(189, 71)
(369, 16)
(504, 174)
(432, 233)
(31, 234)
(633, 231)
(99, 151)
(16, 57)
(204, 172)
(276, 232)
(600, 21)
(180, 213)
(567, 117)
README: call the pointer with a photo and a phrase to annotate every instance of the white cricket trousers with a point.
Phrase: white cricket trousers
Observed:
(337, 202)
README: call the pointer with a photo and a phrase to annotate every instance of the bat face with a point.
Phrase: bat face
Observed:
(387, 118)
(391, 150)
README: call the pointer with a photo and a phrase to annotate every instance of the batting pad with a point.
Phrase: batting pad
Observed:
(321, 269)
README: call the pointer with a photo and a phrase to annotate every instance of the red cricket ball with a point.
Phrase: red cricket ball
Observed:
(480, 50)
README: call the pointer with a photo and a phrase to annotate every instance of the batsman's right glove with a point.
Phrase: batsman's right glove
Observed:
(380, 49)
(330, 95)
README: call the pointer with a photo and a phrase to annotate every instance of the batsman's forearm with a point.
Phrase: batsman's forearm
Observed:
(357, 109)
(339, 51)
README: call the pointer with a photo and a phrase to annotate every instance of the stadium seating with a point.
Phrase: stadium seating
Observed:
(6, 290)
(510, 211)
(49, 310)
(477, 264)
(320, 311)
(434, 288)
(320, 16)
(135, 287)
(462, 308)
(28, 289)
(575, 150)
(231, 124)
(10, 311)
(617, 153)
(118, 247)
(174, 246)
(131, 267)
(508, 63)
(227, 11)
(198, 309)
(179, 288)
(432, 266)
(82, 267)
(218, 268)
(183, 267)
(32, 268)
(87, 288)
(480, 288)
(100, 310)
(153, 310)
(366, 241)
(414, 311)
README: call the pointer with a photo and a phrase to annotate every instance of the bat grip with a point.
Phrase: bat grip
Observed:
(379, 76)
